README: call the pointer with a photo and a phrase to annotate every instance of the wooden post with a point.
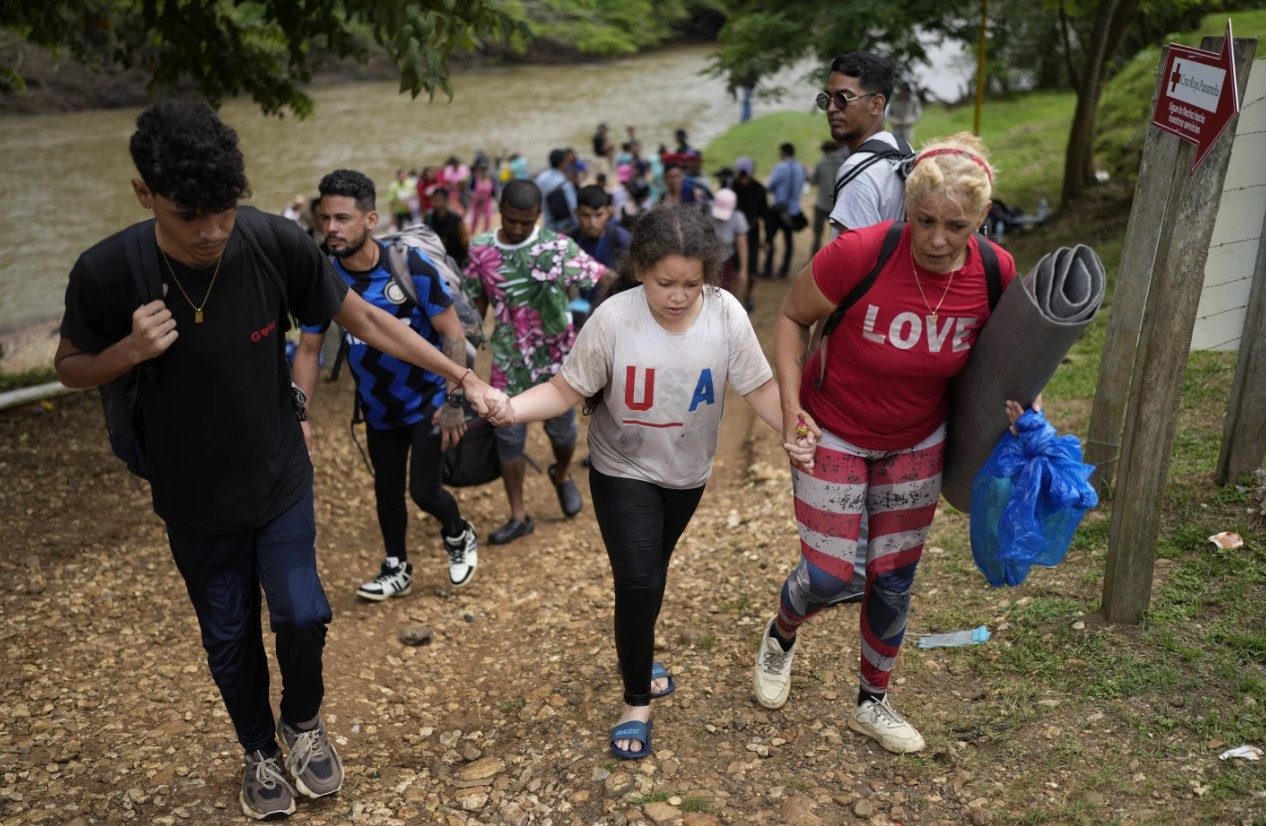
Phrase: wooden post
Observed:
(1244, 434)
(1129, 298)
(1161, 362)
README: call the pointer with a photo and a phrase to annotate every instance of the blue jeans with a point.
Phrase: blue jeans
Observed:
(224, 574)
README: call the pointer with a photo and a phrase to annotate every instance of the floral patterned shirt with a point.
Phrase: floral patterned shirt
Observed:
(528, 287)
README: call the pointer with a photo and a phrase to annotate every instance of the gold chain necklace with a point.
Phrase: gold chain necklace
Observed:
(197, 308)
(932, 314)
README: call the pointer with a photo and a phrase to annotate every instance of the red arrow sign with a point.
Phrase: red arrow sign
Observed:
(1200, 94)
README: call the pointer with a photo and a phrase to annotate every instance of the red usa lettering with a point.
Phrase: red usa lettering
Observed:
(907, 329)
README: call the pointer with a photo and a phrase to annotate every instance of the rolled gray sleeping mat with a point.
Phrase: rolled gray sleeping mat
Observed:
(1036, 322)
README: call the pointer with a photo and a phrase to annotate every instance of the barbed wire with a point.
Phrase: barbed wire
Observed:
(1233, 243)
(1222, 312)
(1235, 341)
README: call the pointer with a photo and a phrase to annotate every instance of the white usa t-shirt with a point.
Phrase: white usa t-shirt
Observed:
(662, 392)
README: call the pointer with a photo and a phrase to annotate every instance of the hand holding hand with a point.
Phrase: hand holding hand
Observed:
(800, 438)
(503, 414)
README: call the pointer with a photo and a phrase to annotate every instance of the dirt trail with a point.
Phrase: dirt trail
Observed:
(109, 716)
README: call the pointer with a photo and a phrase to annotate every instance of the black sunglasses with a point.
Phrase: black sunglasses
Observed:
(842, 100)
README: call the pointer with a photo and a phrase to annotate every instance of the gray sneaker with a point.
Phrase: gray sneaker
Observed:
(265, 790)
(312, 760)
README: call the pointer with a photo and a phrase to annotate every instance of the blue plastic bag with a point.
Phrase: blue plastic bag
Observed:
(1027, 501)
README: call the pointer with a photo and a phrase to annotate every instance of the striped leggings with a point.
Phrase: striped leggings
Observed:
(899, 490)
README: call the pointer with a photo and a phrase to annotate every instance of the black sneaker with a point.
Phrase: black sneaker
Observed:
(512, 530)
(265, 790)
(568, 497)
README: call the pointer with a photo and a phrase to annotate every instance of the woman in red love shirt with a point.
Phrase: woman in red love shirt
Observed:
(878, 415)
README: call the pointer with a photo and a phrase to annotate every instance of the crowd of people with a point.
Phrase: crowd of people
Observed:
(661, 261)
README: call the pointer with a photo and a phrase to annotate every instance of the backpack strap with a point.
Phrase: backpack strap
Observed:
(891, 239)
(818, 343)
(400, 265)
(879, 151)
(141, 248)
(142, 260)
(993, 275)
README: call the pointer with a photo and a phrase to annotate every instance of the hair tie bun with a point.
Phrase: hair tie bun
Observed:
(947, 150)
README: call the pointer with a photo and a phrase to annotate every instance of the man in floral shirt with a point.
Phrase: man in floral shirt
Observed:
(526, 274)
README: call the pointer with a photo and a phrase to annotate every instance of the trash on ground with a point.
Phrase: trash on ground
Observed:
(1226, 540)
(1243, 752)
(954, 639)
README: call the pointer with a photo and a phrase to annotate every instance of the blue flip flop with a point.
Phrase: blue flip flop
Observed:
(632, 730)
(658, 672)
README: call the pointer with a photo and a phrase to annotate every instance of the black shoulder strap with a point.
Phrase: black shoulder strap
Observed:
(891, 238)
(880, 151)
(141, 248)
(142, 259)
(993, 276)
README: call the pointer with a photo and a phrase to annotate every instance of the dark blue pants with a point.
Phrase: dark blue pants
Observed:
(224, 574)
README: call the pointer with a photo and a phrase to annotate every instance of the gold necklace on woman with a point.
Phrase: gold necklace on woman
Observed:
(197, 308)
(932, 314)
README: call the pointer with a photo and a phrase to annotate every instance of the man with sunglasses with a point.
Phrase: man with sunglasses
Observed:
(869, 189)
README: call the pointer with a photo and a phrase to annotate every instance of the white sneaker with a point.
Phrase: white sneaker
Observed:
(881, 721)
(463, 556)
(771, 677)
(392, 581)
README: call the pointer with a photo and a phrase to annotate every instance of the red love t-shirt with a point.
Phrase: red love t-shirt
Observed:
(888, 364)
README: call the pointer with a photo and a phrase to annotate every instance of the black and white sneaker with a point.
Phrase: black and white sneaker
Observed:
(463, 555)
(394, 580)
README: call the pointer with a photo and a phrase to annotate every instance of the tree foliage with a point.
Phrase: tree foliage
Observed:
(267, 49)
(1032, 44)
(759, 39)
(600, 27)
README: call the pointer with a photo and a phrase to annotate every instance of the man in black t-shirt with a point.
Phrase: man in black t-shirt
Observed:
(224, 450)
(449, 226)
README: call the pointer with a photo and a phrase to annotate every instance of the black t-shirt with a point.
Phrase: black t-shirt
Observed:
(449, 229)
(223, 449)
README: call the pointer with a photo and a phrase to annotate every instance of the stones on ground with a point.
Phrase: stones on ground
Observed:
(416, 635)
(661, 813)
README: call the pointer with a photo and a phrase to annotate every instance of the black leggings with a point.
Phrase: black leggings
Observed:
(640, 524)
(389, 452)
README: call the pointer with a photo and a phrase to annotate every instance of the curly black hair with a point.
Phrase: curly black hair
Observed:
(351, 184)
(186, 154)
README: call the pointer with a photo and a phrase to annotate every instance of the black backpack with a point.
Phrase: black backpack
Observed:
(993, 283)
(119, 397)
(880, 151)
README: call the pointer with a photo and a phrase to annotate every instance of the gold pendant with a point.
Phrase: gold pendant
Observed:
(931, 318)
(197, 317)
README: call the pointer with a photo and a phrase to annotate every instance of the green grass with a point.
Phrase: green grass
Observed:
(1026, 136)
(27, 378)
